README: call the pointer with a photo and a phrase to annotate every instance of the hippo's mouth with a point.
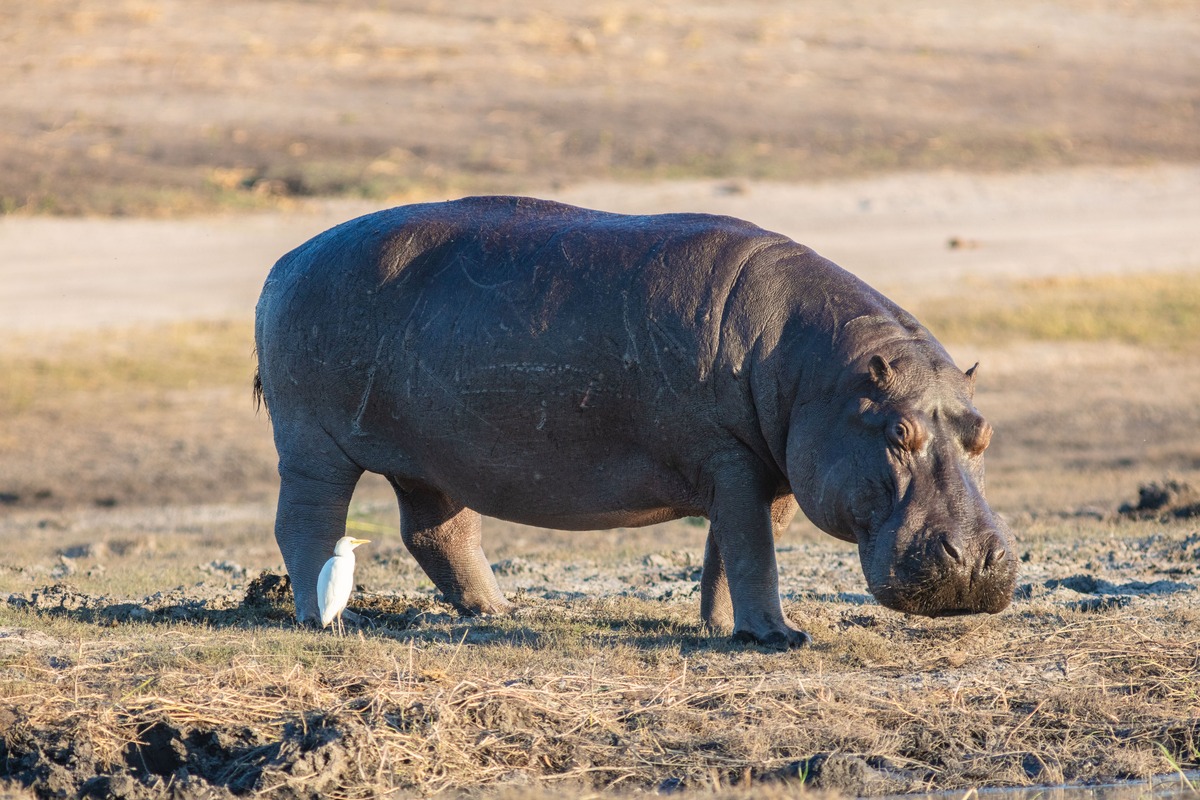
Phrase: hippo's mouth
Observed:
(952, 612)
(931, 608)
(936, 593)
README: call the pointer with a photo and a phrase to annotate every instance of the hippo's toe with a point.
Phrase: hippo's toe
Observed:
(776, 640)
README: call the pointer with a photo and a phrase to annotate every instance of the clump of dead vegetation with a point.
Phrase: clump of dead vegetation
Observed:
(615, 694)
(1163, 500)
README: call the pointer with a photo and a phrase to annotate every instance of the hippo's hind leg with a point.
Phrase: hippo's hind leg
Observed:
(742, 532)
(716, 606)
(444, 537)
(314, 495)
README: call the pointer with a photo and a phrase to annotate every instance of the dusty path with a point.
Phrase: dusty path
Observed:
(892, 231)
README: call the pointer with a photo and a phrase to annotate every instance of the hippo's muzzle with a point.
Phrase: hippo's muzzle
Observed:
(951, 573)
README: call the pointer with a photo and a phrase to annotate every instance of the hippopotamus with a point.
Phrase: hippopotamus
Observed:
(579, 370)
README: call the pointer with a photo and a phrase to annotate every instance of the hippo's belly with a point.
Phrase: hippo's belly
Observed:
(554, 446)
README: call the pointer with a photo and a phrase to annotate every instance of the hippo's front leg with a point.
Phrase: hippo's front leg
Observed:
(742, 531)
(444, 537)
(716, 606)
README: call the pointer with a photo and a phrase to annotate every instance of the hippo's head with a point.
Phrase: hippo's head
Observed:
(900, 472)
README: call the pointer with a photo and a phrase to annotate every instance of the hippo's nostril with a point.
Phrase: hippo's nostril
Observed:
(950, 550)
(994, 557)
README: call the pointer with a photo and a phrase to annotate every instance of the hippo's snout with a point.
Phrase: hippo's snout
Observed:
(955, 556)
(953, 574)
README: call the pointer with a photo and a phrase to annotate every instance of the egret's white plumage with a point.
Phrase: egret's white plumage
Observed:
(336, 581)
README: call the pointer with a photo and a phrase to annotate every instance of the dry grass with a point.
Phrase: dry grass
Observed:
(38, 371)
(273, 104)
(613, 695)
(1156, 310)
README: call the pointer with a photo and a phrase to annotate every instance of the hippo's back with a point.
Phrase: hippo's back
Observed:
(506, 244)
(500, 280)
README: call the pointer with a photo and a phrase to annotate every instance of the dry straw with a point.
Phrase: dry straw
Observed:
(903, 704)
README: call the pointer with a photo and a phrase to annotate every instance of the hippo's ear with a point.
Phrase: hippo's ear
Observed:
(881, 371)
(971, 379)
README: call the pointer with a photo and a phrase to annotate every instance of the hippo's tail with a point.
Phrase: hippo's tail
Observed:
(260, 400)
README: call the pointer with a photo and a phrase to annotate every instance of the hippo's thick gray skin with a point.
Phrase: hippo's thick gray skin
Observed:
(574, 369)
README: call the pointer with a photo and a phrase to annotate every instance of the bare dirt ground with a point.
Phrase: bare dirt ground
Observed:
(997, 172)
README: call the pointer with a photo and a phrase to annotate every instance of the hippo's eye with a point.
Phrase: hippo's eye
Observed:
(906, 434)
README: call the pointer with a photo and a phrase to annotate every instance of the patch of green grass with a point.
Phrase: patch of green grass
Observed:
(183, 355)
(1159, 310)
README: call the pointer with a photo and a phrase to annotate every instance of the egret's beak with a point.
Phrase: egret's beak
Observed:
(357, 542)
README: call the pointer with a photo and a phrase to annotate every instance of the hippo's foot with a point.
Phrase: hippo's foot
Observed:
(786, 638)
(480, 608)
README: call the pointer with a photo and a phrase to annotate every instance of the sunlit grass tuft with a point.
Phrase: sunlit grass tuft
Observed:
(1155, 310)
(184, 355)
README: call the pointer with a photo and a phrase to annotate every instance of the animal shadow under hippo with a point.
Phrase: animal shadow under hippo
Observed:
(575, 369)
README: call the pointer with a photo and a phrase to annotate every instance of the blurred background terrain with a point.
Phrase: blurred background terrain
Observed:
(164, 106)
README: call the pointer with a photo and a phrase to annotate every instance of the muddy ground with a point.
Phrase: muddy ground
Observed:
(994, 171)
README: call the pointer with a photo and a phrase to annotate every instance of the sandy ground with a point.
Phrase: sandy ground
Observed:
(893, 232)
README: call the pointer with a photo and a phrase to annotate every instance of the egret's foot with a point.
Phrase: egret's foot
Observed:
(353, 617)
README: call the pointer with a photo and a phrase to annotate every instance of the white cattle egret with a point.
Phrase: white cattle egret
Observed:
(336, 582)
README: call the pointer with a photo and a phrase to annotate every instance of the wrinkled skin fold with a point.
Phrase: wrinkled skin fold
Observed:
(579, 370)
